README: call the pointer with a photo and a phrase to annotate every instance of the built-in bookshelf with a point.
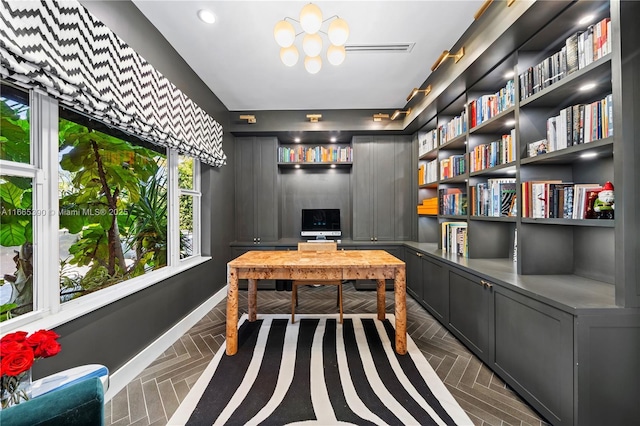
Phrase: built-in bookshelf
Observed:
(531, 122)
(312, 155)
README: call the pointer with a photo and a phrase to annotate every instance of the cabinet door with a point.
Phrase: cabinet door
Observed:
(383, 178)
(363, 189)
(414, 273)
(404, 178)
(435, 289)
(266, 189)
(470, 312)
(534, 348)
(245, 187)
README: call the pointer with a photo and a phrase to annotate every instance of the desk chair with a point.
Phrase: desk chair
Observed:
(323, 246)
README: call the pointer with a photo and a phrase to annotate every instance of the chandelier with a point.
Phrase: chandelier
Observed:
(311, 22)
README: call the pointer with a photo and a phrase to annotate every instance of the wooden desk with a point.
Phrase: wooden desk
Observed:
(342, 264)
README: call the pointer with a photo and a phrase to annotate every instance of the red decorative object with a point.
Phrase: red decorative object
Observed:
(18, 352)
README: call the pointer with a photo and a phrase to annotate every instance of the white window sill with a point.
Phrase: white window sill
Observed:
(76, 308)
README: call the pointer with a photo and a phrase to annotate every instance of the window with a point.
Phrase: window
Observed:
(113, 209)
(16, 205)
(108, 212)
(189, 207)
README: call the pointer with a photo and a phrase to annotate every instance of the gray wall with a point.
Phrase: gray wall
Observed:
(314, 189)
(114, 334)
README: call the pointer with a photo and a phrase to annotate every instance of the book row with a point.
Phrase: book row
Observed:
(452, 166)
(493, 154)
(318, 154)
(577, 124)
(488, 106)
(427, 141)
(556, 199)
(494, 198)
(453, 202)
(454, 238)
(454, 128)
(580, 49)
(428, 172)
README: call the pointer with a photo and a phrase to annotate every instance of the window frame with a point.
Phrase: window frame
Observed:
(48, 311)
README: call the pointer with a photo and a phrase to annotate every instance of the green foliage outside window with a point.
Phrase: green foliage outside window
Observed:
(113, 203)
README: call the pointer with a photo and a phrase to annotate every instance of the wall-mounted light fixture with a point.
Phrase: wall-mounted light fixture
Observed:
(510, 2)
(379, 116)
(446, 55)
(251, 119)
(482, 9)
(415, 91)
(314, 118)
(397, 112)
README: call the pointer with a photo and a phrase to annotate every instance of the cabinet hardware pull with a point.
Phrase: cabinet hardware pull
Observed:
(418, 254)
(486, 284)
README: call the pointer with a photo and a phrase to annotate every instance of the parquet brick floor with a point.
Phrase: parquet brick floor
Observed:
(153, 396)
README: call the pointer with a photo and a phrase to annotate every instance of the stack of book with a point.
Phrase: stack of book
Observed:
(494, 153)
(318, 154)
(578, 124)
(488, 106)
(495, 198)
(453, 166)
(429, 206)
(428, 173)
(454, 128)
(427, 141)
(557, 199)
(454, 238)
(580, 49)
(453, 202)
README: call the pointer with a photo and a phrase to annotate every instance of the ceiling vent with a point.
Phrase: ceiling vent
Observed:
(380, 48)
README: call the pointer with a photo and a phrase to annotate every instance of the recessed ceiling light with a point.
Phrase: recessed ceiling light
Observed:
(509, 74)
(585, 20)
(589, 155)
(333, 166)
(588, 86)
(297, 166)
(296, 140)
(510, 122)
(333, 139)
(206, 16)
(511, 171)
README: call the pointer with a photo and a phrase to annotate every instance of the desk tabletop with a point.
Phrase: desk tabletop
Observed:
(316, 259)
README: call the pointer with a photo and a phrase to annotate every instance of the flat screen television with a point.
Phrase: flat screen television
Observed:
(321, 223)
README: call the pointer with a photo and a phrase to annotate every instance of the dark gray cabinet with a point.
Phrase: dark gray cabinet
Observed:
(256, 200)
(435, 288)
(470, 311)
(382, 188)
(534, 349)
(413, 260)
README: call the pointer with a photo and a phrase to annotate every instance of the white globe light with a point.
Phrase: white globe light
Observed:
(338, 32)
(312, 44)
(284, 33)
(289, 55)
(312, 64)
(311, 18)
(336, 54)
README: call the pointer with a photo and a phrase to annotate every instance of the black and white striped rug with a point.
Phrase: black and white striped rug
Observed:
(318, 371)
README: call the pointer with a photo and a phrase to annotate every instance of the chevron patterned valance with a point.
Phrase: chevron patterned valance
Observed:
(64, 50)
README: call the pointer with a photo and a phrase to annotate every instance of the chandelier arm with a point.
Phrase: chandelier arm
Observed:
(330, 18)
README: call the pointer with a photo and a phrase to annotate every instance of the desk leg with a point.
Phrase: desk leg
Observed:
(253, 299)
(380, 289)
(232, 312)
(400, 286)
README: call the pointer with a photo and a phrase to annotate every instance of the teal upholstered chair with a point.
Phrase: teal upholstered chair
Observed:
(81, 403)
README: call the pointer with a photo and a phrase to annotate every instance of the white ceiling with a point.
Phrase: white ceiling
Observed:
(238, 58)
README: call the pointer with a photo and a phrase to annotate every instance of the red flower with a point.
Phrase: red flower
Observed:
(15, 363)
(18, 336)
(9, 346)
(44, 343)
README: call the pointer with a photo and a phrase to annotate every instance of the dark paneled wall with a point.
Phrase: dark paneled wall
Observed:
(313, 189)
(115, 333)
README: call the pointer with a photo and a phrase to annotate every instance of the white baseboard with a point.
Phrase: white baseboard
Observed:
(120, 378)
